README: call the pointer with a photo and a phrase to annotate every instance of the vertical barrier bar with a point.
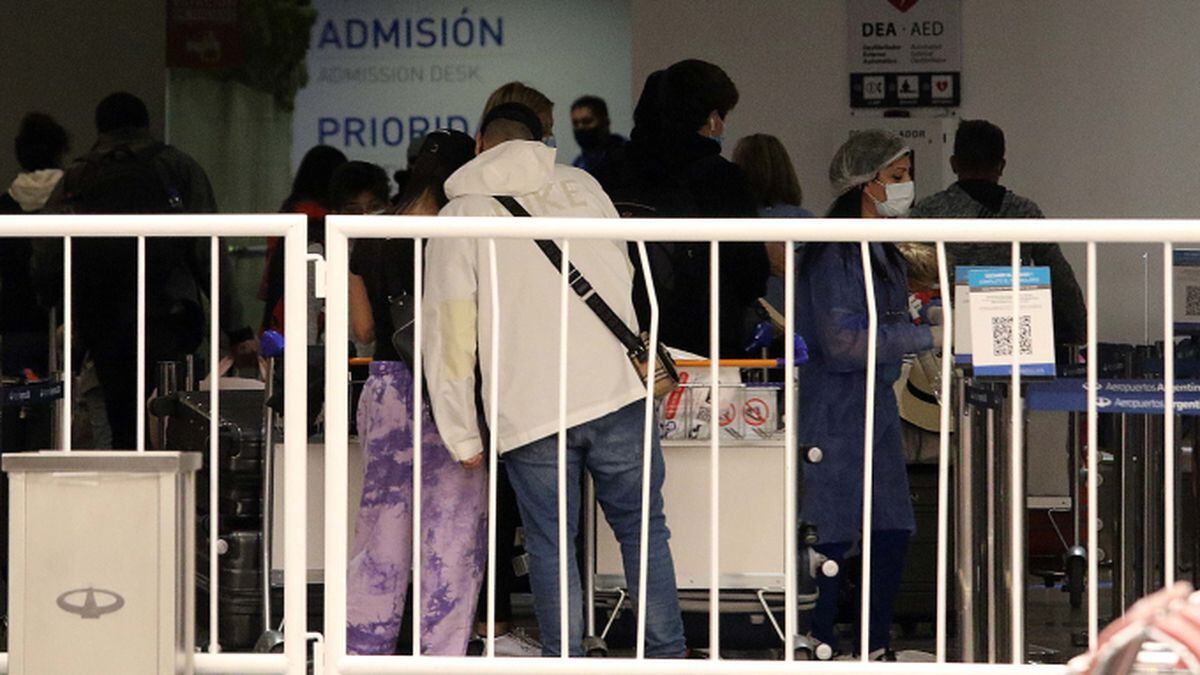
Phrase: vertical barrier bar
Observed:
(943, 515)
(418, 430)
(1168, 414)
(214, 452)
(1017, 474)
(295, 489)
(141, 342)
(647, 445)
(337, 435)
(493, 449)
(68, 337)
(868, 451)
(714, 461)
(790, 461)
(564, 643)
(1093, 453)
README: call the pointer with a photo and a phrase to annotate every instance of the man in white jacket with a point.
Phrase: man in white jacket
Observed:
(605, 397)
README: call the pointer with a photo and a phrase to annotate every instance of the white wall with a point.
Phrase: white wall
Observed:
(1097, 100)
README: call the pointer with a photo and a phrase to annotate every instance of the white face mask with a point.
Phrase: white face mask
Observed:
(899, 199)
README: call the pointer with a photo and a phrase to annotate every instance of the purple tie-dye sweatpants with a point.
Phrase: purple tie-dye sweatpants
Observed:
(453, 522)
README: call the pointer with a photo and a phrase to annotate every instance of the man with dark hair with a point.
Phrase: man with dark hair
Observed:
(979, 162)
(597, 143)
(359, 188)
(672, 167)
(127, 170)
(605, 407)
(123, 129)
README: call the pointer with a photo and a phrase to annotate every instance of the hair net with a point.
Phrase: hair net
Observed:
(861, 157)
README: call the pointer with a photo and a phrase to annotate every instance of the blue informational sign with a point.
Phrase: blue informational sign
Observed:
(994, 337)
(1186, 277)
(382, 73)
(1137, 397)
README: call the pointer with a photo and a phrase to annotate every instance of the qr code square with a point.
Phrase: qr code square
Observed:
(1193, 300)
(1002, 335)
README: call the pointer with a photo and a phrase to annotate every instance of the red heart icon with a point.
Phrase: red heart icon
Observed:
(942, 84)
(903, 5)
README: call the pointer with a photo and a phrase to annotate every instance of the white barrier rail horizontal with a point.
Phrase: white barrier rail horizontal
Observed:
(243, 664)
(433, 665)
(188, 225)
(753, 229)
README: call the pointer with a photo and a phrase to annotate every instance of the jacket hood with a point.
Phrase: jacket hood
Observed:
(32, 190)
(512, 168)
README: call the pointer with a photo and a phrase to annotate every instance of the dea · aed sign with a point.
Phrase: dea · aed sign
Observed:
(83, 601)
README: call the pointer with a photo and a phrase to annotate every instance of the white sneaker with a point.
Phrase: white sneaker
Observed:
(516, 642)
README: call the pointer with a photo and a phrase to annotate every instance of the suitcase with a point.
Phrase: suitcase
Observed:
(240, 462)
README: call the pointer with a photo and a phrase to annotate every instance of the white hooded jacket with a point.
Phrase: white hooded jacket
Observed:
(32, 189)
(458, 313)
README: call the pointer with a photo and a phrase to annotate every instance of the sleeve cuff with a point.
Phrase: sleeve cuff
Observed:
(465, 449)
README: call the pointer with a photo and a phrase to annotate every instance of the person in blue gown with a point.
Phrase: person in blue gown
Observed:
(872, 176)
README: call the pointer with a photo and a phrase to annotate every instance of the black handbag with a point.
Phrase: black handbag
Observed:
(403, 314)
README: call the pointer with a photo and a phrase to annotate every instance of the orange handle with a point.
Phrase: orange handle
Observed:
(683, 363)
(729, 363)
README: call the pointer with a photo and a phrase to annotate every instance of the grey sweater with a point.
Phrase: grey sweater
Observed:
(1070, 312)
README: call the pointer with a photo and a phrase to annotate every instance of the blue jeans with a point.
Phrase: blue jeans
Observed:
(611, 449)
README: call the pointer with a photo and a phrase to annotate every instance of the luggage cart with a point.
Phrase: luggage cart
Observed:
(753, 575)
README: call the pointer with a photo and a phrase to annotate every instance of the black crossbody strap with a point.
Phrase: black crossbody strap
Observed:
(581, 286)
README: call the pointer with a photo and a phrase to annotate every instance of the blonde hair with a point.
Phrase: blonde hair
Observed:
(518, 92)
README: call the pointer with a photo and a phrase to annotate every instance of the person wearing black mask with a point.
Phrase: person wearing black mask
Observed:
(597, 143)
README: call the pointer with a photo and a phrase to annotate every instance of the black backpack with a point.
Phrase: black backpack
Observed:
(123, 180)
(676, 266)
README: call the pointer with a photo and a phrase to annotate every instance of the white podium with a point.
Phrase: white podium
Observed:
(101, 568)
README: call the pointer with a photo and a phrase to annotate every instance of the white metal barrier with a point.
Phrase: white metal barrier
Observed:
(340, 229)
(293, 230)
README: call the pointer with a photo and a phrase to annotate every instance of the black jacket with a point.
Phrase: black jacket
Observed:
(688, 170)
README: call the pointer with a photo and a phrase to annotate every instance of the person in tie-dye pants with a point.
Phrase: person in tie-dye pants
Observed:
(453, 495)
(453, 522)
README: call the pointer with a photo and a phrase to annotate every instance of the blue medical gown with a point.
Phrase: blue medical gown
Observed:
(831, 314)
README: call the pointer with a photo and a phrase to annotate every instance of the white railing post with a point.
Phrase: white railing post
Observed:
(214, 453)
(714, 462)
(68, 379)
(647, 446)
(943, 516)
(564, 609)
(1093, 454)
(1017, 475)
(337, 435)
(790, 460)
(868, 451)
(140, 402)
(418, 430)
(493, 447)
(295, 443)
(1168, 414)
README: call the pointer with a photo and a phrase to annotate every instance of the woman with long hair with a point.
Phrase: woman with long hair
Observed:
(872, 176)
(310, 196)
(453, 504)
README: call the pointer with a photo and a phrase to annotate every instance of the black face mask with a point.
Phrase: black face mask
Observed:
(590, 139)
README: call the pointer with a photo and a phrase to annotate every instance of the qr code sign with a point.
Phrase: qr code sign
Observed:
(1002, 335)
(1193, 301)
